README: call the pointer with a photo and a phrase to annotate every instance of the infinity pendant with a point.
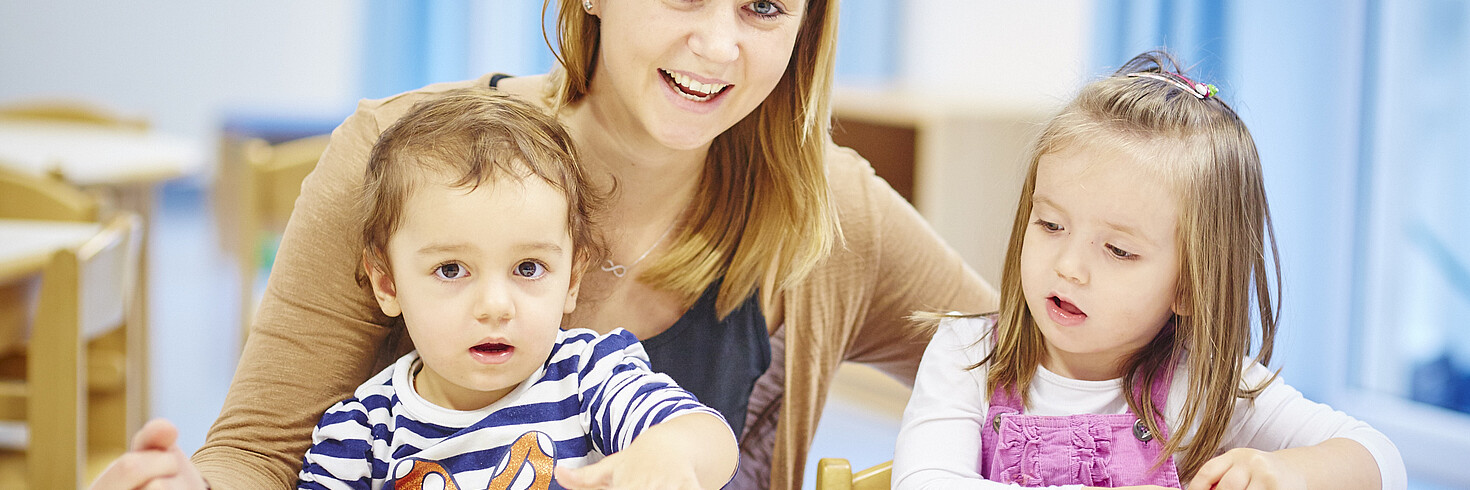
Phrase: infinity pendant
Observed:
(616, 270)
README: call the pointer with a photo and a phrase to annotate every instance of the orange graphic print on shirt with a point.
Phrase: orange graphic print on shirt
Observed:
(526, 454)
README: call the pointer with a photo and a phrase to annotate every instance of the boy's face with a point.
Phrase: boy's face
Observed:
(482, 279)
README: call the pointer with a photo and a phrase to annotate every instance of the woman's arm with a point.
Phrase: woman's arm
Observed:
(911, 268)
(317, 333)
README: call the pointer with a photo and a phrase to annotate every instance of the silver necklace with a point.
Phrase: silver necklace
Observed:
(622, 270)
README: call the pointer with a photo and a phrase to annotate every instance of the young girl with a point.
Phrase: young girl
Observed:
(1119, 357)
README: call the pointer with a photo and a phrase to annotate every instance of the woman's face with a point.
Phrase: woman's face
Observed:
(684, 71)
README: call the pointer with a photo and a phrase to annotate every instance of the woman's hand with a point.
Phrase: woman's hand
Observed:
(154, 462)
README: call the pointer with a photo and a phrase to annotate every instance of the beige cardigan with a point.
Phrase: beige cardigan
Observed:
(318, 334)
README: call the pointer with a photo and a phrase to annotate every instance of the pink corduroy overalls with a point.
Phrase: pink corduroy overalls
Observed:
(1093, 450)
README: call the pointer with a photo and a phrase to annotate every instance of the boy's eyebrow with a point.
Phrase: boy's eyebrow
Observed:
(434, 248)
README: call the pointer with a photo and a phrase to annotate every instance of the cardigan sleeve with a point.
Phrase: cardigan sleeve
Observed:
(317, 333)
(912, 269)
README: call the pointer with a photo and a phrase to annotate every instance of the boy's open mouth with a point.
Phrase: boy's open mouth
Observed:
(492, 352)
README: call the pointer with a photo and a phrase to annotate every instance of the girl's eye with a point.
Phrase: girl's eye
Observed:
(1047, 225)
(530, 269)
(765, 8)
(451, 271)
(1120, 253)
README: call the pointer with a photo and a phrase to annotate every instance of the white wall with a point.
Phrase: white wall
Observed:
(180, 64)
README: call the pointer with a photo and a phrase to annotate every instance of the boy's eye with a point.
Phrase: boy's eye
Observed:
(451, 271)
(1120, 253)
(1048, 226)
(530, 269)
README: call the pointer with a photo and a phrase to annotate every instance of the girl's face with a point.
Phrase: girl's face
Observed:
(684, 71)
(1100, 259)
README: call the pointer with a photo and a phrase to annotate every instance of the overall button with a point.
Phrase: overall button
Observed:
(1141, 431)
(995, 422)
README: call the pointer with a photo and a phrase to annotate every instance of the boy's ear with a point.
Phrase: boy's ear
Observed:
(576, 286)
(383, 288)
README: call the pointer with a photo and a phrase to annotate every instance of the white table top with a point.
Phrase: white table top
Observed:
(91, 154)
(25, 245)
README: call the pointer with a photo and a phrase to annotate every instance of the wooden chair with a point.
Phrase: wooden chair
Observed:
(836, 474)
(257, 188)
(25, 196)
(76, 351)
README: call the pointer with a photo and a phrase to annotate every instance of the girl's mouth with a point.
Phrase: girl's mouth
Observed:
(693, 89)
(1064, 312)
(492, 352)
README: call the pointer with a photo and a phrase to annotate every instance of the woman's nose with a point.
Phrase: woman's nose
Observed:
(716, 39)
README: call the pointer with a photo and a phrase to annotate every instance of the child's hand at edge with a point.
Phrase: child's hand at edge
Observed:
(1335, 463)
(154, 461)
(691, 451)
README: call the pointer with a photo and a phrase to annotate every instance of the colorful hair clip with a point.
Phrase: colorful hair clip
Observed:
(1199, 90)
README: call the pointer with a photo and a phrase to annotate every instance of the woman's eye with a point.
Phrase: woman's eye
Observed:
(451, 271)
(1048, 226)
(530, 269)
(1120, 253)
(765, 8)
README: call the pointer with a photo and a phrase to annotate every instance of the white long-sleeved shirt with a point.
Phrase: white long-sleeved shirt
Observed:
(939, 440)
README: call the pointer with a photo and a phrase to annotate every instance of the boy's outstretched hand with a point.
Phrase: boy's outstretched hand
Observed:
(154, 462)
(688, 452)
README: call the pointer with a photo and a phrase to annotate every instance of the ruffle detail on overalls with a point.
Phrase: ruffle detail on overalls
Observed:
(1031, 455)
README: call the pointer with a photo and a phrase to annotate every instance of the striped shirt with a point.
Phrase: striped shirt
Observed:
(594, 394)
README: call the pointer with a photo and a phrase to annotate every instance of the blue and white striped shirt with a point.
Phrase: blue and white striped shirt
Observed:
(593, 395)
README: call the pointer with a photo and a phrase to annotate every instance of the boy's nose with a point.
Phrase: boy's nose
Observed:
(494, 303)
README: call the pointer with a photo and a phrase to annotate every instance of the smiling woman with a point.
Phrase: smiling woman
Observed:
(708, 117)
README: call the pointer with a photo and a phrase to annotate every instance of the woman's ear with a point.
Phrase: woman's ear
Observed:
(382, 281)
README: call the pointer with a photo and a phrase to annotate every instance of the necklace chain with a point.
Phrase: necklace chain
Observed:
(622, 270)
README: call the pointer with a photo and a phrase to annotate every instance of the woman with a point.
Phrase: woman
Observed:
(750, 253)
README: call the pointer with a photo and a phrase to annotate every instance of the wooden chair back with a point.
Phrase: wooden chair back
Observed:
(836, 474)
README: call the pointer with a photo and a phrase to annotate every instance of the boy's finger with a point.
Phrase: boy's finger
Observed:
(157, 434)
(593, 476)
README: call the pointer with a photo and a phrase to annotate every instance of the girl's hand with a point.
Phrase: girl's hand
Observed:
(623, 470)
(1247, 469)
(154, 462)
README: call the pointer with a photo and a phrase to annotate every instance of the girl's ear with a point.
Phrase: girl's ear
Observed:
(1183, 303)
(382, 281)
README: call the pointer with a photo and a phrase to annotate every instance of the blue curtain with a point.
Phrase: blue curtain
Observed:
(1193, 30)
(412, 44)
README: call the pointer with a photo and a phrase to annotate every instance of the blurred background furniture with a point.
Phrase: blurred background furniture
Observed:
(256, 190)
(65, 345)
(836, 474)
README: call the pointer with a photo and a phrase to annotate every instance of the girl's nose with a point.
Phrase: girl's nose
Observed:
(495, 304)
(716, 39)
(1070, 263)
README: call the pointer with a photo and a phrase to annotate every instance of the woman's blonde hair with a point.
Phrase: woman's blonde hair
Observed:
(1203, 148)
(762, 200)
(471, 136)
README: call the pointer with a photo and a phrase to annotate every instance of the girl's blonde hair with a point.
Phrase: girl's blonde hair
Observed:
(1203, 148)
(762, 200)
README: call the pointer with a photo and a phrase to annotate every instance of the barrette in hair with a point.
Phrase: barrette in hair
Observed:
(1199, 90)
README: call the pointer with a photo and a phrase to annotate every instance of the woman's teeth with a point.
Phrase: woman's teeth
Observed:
(693, 89)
